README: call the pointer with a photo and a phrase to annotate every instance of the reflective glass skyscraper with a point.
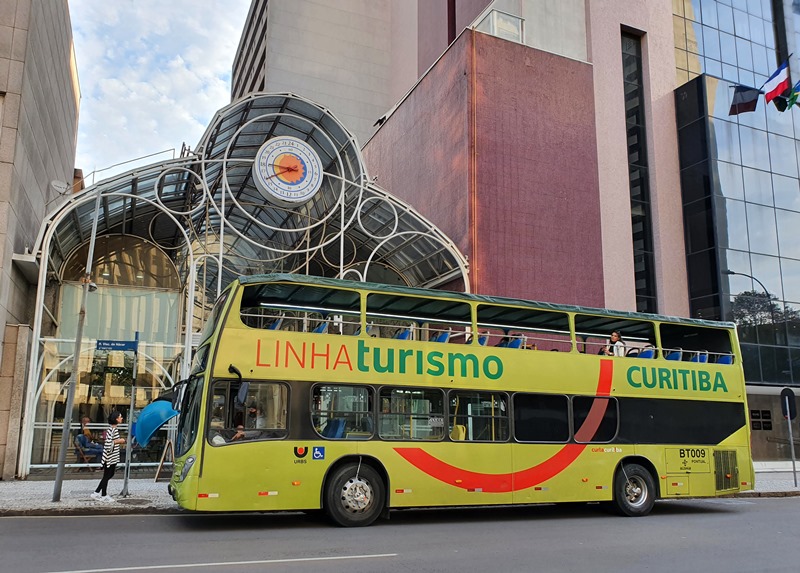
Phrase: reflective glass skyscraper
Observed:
(739, 179)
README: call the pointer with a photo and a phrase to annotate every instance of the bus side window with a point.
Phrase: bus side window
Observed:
(342, 411)
(261, 416)
(411, 414)
(484, 415)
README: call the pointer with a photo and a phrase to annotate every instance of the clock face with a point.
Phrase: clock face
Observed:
(287, 171)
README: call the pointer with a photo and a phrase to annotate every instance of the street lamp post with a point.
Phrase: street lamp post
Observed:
(766, 292)
(88, 286)
(730, 272)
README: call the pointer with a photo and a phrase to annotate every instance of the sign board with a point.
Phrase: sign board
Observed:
(788, 404)
(132, 345)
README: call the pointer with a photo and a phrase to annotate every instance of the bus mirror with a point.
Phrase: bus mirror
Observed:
(177, 395)
(241, 396)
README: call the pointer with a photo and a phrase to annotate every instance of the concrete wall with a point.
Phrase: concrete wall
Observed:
(338, 54)
(433, 26)
(772, 444)
(519, 195)
(37, 145)
(557, 26)
(654, 20)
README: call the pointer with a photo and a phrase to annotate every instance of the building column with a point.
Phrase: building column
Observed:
(12, 383)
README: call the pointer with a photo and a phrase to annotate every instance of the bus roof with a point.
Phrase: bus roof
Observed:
(465, 297)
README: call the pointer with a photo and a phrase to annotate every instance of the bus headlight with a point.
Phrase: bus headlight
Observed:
(187, 465)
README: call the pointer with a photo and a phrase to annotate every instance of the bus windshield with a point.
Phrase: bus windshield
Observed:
(189, 414)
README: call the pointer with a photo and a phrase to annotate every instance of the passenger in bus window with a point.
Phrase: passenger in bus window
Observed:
(239, 435)
(615, 346)
(261, 418)
(252, 415)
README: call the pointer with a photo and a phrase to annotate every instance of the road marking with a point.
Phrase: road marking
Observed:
(228, 563)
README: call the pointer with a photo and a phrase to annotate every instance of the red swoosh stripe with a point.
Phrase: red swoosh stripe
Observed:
(500, 483)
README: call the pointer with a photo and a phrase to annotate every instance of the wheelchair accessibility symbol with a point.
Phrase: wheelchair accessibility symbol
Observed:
(318, 453)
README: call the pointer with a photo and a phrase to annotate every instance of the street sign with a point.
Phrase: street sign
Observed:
(132, 345)
(788, 404)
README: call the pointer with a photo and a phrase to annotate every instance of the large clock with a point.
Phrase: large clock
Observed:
(287, 171)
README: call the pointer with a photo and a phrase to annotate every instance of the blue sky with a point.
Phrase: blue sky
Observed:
(152, 74)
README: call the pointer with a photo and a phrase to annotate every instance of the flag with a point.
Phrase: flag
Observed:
(794, 95)
(777, 82)
(744, 99)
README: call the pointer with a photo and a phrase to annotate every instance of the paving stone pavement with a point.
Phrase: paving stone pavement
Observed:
(36, 497)
(146, 496)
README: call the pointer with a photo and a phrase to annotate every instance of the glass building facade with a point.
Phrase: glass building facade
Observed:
(740, 183)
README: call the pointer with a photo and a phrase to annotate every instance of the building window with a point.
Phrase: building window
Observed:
(639, 180)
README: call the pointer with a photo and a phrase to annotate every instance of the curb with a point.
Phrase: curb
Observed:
(792, 493)
(76, 511)
(121, 508)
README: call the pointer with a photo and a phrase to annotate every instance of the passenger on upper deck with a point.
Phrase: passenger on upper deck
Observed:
(615, 346)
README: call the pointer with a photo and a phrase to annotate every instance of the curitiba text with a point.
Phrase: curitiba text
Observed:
(284, 354)
(676, 379)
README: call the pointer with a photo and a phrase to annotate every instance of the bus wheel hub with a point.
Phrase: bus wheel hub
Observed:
(356, 495)
(634, 492)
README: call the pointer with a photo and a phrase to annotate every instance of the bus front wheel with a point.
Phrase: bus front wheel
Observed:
(634, 490)
(354, 495)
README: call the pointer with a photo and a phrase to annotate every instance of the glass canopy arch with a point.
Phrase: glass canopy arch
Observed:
(204, 211)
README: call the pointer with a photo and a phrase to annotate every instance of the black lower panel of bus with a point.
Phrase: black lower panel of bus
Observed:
(646, 421)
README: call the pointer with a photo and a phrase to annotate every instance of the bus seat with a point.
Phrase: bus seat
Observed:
(647, 353)
(676, 354)
(334, 428)
(369, 330)
(704, 356)
(458, 433)
(340, 428)
(443, 336)
(404, 334)
(321, 329)
(725, 359)
(701, 356)
(483, 339)
(276, 324)
(516, 343)
(633, 352)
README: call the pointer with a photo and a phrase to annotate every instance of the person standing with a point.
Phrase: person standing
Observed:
(110, 457)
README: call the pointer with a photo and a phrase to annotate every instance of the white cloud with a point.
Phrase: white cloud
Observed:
(152, 75)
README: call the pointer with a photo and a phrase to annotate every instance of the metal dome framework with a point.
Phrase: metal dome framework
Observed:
(205, 212)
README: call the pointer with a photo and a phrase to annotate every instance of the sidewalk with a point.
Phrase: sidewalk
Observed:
(146, 496)
(36, 498)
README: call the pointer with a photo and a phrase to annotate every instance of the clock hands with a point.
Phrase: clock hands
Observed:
(283, 170)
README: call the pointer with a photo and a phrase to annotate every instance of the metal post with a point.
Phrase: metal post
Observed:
(791, 441)
(73, 380)
(129, 439)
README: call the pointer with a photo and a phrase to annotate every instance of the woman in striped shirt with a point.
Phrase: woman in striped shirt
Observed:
(110, 456)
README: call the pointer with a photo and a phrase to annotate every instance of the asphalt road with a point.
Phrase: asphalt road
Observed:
(721, 535)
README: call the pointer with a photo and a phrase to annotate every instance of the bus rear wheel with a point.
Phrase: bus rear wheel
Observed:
(354, 495)
(634, 490)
